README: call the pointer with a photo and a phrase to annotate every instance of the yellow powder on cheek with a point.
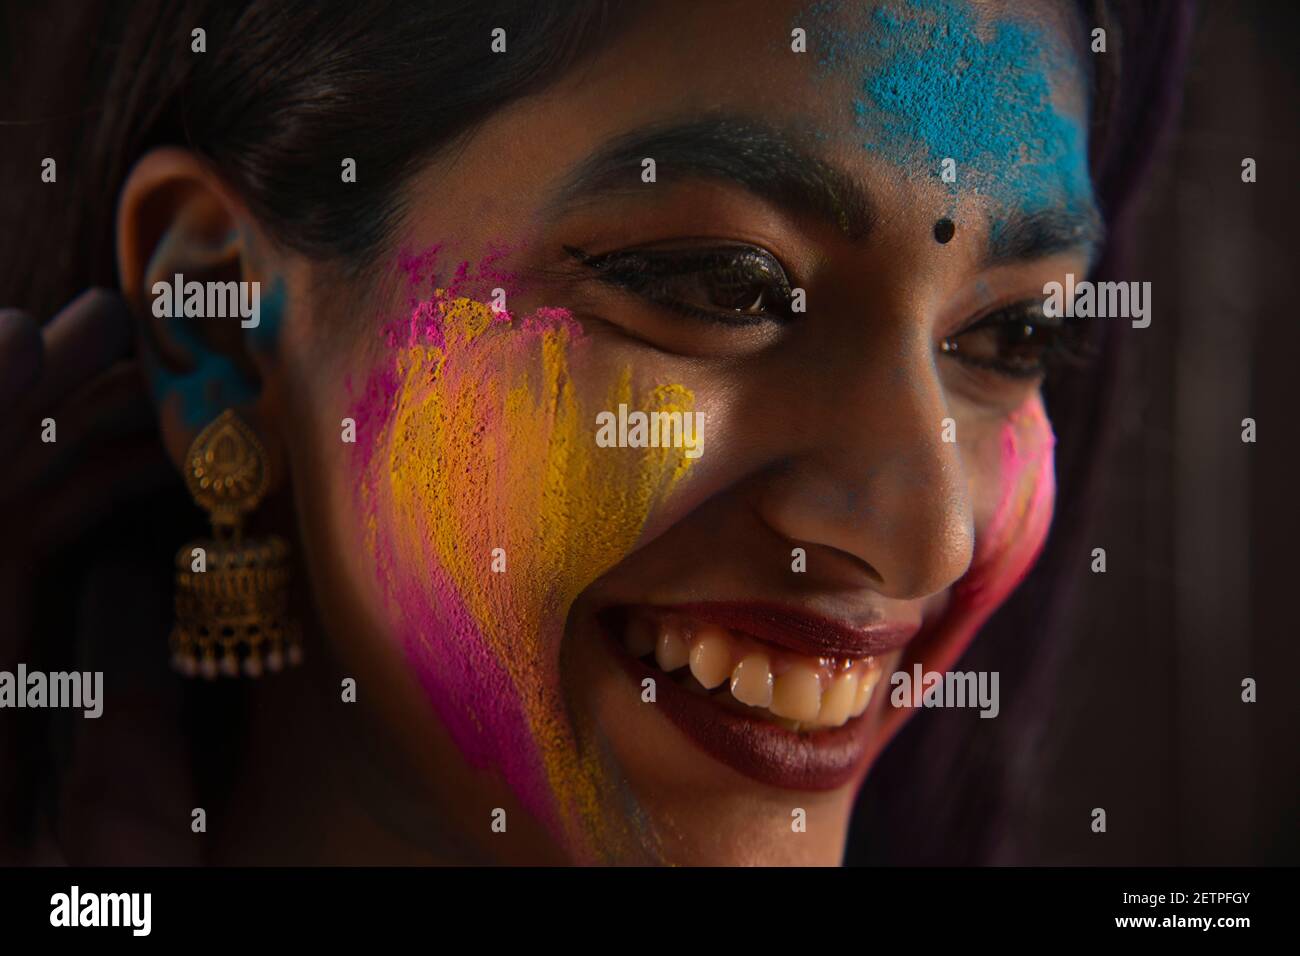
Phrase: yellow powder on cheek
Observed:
(474, 465)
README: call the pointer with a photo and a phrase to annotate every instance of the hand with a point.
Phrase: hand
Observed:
(79, 371)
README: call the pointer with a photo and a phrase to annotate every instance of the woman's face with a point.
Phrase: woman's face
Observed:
(683, 653)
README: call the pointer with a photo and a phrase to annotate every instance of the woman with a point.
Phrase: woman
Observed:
(812, 239)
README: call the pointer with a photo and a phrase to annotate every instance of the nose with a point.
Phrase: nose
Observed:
(876, 479)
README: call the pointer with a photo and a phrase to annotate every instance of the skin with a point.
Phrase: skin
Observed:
(825, 434)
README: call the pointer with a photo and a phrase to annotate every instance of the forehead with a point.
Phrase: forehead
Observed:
(895, 94)
(994, 96)
(919, 69)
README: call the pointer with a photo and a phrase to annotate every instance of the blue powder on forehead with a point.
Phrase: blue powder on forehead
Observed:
(936, 84)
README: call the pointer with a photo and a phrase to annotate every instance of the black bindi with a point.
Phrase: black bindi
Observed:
(943, 230)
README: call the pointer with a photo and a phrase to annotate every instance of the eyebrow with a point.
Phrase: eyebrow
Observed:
(770, 163)
(762, 159)
(1035, 235)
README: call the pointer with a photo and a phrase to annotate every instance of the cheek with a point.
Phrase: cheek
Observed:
(1019, 488)
(488, 508)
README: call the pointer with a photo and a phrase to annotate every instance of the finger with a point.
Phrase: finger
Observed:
(21, 353)
(86, 337)
(56, 513)
(114, 404)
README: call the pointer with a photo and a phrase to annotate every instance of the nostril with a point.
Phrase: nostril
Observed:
(862, 565)
(828, 561)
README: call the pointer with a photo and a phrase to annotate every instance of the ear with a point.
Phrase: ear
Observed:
(206, 345)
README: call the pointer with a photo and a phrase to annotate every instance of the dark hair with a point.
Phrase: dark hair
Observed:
(285, 81)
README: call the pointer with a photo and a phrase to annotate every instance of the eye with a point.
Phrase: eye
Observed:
(733, 285)
(1018, 342)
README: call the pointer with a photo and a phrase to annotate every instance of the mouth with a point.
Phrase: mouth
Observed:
(781, 696)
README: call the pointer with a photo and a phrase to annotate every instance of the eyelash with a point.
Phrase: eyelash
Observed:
(1059, 342)
(653, 273)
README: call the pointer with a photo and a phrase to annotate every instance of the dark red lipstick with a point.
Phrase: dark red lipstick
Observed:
(821, 758)
(800, 631)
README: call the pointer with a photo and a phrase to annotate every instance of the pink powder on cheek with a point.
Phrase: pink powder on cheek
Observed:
(463, 675)
(1007, 548)
(548, 318)
(471, 691)
(469, 436)
(1018, 529)
(434, 610)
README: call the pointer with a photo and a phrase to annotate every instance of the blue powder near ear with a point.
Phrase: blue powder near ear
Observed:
(215, 382)
(265, 336)
(937, 84)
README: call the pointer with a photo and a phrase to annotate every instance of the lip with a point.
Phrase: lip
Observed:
(823, 759)
(799, 630)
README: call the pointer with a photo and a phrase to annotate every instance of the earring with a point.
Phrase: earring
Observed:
(232, 595)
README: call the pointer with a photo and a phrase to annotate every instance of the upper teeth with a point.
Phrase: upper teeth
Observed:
(813, 692)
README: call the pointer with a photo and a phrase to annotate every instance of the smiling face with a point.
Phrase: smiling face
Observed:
(871, 475)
